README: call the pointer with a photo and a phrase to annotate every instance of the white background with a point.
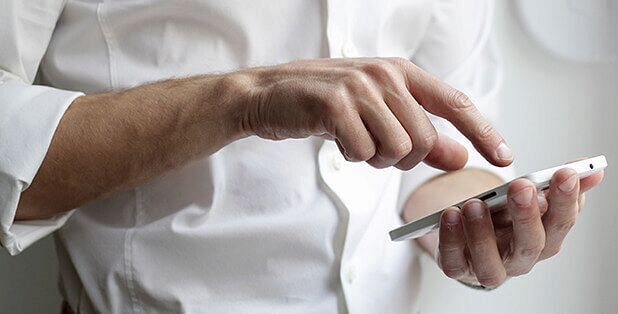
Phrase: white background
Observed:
(553, 111)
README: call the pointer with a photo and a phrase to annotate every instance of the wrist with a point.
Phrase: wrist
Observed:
(236, 96)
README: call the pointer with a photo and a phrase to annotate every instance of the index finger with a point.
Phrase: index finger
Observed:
(447, 102)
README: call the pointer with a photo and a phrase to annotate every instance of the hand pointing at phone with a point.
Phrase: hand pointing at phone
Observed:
(374, 108)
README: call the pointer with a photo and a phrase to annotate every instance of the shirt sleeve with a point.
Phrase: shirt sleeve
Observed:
(29, 114)
(458, 49)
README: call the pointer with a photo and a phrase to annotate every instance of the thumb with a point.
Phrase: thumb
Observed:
(447, 154)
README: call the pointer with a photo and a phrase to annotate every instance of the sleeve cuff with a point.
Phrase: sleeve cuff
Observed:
(29, 116)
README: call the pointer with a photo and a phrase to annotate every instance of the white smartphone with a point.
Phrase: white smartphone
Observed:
(496, 198)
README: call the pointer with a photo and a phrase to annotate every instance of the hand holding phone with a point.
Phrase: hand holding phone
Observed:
(477, 246)
(496, 198)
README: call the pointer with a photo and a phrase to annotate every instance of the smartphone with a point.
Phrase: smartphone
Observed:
(496, 198)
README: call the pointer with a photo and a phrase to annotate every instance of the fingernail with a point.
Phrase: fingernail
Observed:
(474, 210)
(504, 152)
(523, 197)
(451, 217)
(568, 185)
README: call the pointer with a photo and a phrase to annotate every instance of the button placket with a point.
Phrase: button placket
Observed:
(337, 162)
(348, 50)
(351, 274)
(337, 28)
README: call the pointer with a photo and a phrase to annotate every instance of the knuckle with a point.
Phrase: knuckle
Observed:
(426, 143)
(397, 151)
(485, 131)
(381, 69)
(527, 220)
(491, 280)
(565, 226)
(378, 162)
(529, 252)
(406, 165)
(362, 154)
(357, 78)
(399, 61)
(447, 248)
(454, 272)
(375, 68)
(551, 252)
(459, 100)
(480, 242)
(519, 271)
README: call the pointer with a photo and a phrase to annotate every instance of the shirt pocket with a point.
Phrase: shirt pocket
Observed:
(158, 39)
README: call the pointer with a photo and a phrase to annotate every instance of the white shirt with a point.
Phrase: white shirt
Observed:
(260, 226)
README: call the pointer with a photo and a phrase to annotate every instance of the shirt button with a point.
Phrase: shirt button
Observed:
(337, 162)
(348, 50)
(351, 274)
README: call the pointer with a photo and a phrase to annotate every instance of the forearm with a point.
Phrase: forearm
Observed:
(443, 191)
(114, 141)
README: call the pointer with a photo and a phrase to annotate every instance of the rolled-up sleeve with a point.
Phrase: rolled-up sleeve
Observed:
(29, 114)
(458, 48)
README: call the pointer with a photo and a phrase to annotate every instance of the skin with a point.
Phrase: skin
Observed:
(479, 248)
(373, 108)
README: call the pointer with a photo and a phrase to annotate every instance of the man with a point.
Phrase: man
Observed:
(156, 122)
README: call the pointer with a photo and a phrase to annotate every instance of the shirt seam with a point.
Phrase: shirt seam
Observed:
(129, 269)
(110, 43)
(343, 223)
